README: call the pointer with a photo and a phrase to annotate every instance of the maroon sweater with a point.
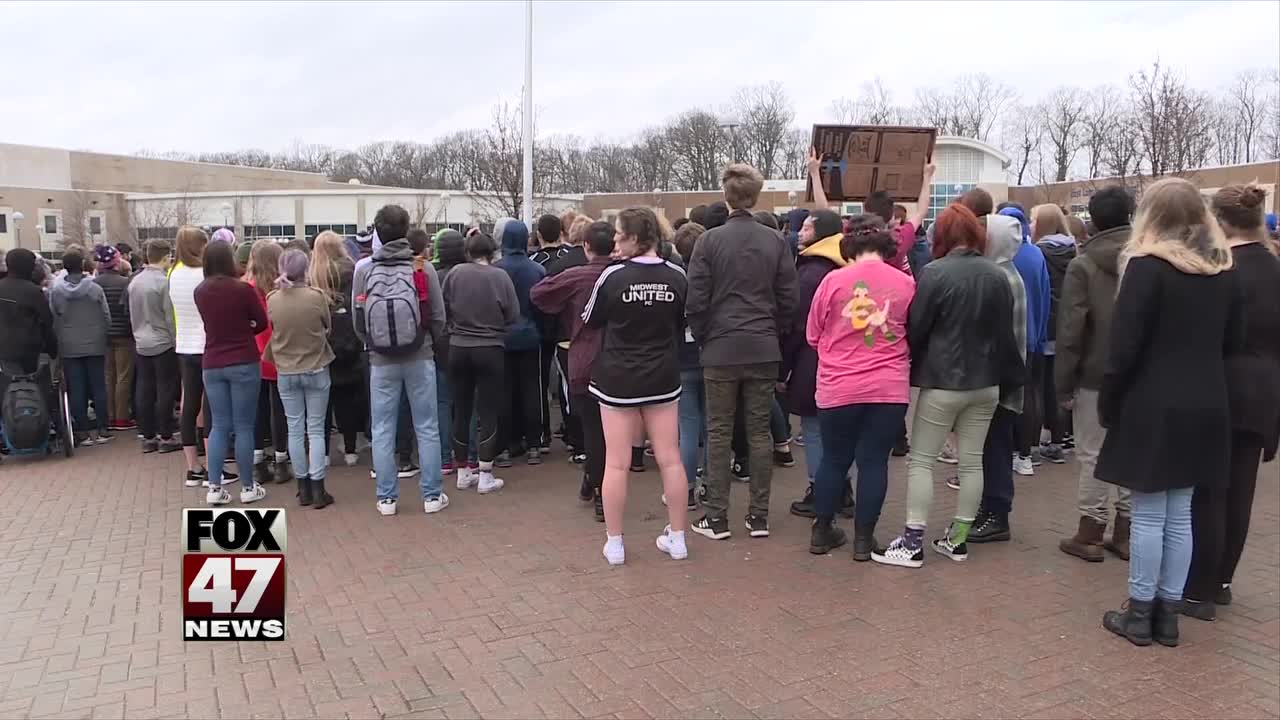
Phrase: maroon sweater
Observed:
(232, 314)
(566, 295)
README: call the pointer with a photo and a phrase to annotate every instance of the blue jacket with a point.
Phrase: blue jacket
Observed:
(1029, 261)
(524, 273)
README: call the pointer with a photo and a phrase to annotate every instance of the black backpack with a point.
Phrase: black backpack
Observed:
(343, 340)
(25, 414)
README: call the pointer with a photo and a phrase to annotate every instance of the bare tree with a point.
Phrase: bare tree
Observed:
(873, 106)
(1173, 121)
(1247, 99)
(795, 153)
(701, 149)
(1270, 134)
(765, 114)
(1102, 109)
(1063, 113)
(1023, 134)
(1122, 148)
(75, 220)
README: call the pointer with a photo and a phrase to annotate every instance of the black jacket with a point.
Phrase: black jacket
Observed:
(1058, 254)
(114, 286)
(961, 326)
(26, 324)
(742, 285)
(799, 358)
(1164, 395)
(1253, 372)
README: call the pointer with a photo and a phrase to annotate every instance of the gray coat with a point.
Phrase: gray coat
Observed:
(80, 316)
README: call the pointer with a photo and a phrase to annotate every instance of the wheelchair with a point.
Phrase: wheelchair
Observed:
(61, 436)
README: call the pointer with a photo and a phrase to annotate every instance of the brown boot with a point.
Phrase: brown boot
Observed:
(1119, 542)
(1087, 543)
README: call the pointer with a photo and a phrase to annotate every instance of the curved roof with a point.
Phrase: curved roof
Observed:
(956, 140)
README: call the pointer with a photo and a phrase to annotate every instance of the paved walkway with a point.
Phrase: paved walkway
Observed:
(502, 607)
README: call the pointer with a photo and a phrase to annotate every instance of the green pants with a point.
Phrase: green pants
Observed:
(969, 413)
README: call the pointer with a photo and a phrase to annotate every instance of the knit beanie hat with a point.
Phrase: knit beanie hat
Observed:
(106, 257)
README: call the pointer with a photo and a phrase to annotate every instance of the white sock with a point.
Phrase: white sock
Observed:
(613, 541)
(676, 535)
(258, 456)
(282, 457)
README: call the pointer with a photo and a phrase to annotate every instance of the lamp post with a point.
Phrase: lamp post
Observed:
(17, 228)
(226, 213)
(731, 127)
(444, 203)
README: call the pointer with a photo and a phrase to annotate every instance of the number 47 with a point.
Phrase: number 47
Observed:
(213, 583)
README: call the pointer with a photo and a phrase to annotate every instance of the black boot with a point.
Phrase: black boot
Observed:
(864, 542)
(846, 502)
(989, 527)
(825, 536)
(584, 492)
(1132, 622)
(804, 506)
(1164, 622)
(322, 498)
(1206, 611)
(599, 503)
(262, 473)
(284, 472)
(304, 491)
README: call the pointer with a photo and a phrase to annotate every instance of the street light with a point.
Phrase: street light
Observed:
(444, 202)
(226, 213)
(17, 228)
(731, 127)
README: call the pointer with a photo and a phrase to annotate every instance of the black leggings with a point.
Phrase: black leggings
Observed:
(157, 389)
(192, 370)
(1027, 433)
(1055, 419)
(272, 427)
(347, 407)
(477, 378)
(1220, 520)
(586, 410)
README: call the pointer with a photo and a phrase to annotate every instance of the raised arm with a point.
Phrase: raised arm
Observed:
(926, 188)
(815, 176)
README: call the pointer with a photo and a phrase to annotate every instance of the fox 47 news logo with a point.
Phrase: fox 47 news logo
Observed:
(233, 581)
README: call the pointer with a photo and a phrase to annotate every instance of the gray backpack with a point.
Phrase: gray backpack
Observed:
(393, 317)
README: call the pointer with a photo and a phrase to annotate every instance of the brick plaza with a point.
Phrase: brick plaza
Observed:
(502, 607)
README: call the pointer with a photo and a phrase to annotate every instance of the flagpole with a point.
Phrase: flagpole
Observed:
(527, 204)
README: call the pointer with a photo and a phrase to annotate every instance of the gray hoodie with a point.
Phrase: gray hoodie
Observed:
(1004, 236)
(151, 311)
(399, 250)
(80, 316)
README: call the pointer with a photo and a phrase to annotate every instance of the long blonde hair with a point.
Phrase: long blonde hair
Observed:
(326, 257)
(1047, 219)
(264, 265)
(1174, 224)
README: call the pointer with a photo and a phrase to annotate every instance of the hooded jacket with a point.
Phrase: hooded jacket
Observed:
(26, 323)
(1059, 251)
(399, 251)
(799, 358)
(1035, 277)
(450, 250)
(795, 221)
(1084, 314)
(1004, 236)
(524, 273)
(80, 315)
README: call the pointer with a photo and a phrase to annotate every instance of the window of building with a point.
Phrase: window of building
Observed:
(4, 223)
(51, 224)
(941, 195)
(313, 230)
(95, 225)
(157, 233)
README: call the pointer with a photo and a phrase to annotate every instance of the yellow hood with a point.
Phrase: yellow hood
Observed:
(828, 248)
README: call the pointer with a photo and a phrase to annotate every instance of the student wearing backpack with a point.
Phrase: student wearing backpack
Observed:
(332, 270)
(26, 324)
(399, 327)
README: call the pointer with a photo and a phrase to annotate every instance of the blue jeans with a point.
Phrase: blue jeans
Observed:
(862, 433)
(87, 380)
(415, 380)
(444, 405)
(232, 393)
(1160, 544)
(693, 422)
(305, 397)
(812, 430)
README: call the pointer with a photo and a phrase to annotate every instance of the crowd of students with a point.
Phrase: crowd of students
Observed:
(1148, 344)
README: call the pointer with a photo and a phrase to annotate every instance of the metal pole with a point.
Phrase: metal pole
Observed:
(527, 205)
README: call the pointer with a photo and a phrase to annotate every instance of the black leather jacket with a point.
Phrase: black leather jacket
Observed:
(961, 326)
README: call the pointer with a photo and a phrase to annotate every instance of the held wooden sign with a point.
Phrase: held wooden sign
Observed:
(858, 160)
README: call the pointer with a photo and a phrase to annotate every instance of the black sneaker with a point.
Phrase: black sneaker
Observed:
(804, 506)
(716, 529)
(944, 546)
(228, 476)
(586, 492)
(503, 460)
(577, 458)
(899, 555)
(196, 478)
(150, 445)
(637, 460)
(741, 471)
(901, 448)
(1069, 442)
(535, 457)
(989, 527)
(599, 506)
(1223, 597)
(1053, 453)
(407, 470)
(692, 502)
(784, 458)
(758, 526)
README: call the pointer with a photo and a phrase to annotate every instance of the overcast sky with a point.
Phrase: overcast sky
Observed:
(120, 77)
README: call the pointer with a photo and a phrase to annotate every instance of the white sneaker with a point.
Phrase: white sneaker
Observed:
(387, 506)
(493, 485)
(467, 478)
(673, 544)
(217, 497)
(614, 552)
(664, 502)
(436, 504)
(948, 455)
(1022, 465)
(253, 494)
(350, 459)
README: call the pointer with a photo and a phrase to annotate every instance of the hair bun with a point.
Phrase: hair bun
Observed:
(1253, 196)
